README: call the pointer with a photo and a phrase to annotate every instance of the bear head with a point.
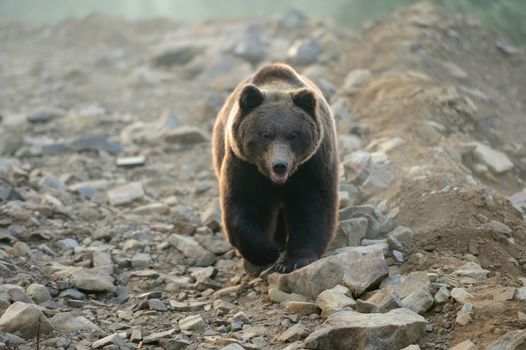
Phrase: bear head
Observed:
(276, 130)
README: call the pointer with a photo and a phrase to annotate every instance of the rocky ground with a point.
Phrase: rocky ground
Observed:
(109, 231)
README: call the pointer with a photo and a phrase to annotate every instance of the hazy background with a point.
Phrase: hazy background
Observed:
(507, 16)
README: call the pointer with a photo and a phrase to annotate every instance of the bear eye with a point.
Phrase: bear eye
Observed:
(266, 137)
(293, 136)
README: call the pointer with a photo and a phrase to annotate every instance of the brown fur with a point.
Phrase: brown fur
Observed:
(277, 116)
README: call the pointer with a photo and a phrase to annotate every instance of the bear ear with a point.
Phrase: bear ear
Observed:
(250, 97)
(306, 100)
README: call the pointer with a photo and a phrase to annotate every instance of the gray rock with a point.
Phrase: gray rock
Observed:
(45, 114)
(238, 321)
(251, 47)
(349, 330)
(350, 232)
(129, 162)
(211, 216)
(304, 52)
(72, 293)
(496, 161)
(464, 315)
(365, 273)
(460, 295)
(178, 53)
(92, 281)
(520, 294)
(333, 300)
(499, 227)
(192, 323)
(292, 19)
(514, 340)
(187, 245)
(126, 194)
(157, 305)
(471, 269)
(419, 301)
(70, 322)
(279, 296)
(442, 295)
(213, 242)
(94, 143)
(141, 260)
(24, 319)
(156, 337)
(294, 333)
(115, 339)
(185, 135)
(465, 345)
(38, 292)
(401, 238)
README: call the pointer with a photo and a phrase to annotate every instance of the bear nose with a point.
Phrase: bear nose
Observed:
(279, 167)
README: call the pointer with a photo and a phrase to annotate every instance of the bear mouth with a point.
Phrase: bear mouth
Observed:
(279, 178)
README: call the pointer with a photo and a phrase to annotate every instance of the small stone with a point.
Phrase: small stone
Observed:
(126, 194)
(505, 295)
(333, 300)
(419, 301)
(497, 161)
(69, 322)
(185, 135)
(465, 345)
(45, 114)
(156, 337)
(238, 321)
(442, 295)
(251, 48)
(302, 308)
(135, 335)
(471, 269)
(521, 316)
(192, 323)
(460, 295)
(279, 296)
(401, 238)
(22, 249)
(499, 227)
(129, 162)
(187, 245)
(24, 319)
(92, 281)
(294, 333)
(141, 260)
(115, 339)
(38, 292)
(71, 293)
(520, 293)
(304, 52)
(157, 305)
(67, 244)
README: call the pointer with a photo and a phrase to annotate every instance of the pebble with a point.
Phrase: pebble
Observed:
(192, 323)
(38, 292)
(126, 194)
(24, 319)
(297, 332)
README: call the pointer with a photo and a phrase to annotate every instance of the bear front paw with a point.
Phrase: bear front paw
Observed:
(290, 265)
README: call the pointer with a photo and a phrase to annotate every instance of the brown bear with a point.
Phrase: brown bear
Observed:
(275, 156)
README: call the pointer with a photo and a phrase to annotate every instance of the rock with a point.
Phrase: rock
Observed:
(38, 292)
(496, 161)
(187, 245)
(499, 227)
(505, 295)
(115, 339)
(294, 333)
(520, 293)
(460, 295)
(45, 114)
(419, 301)
(72, 293)
(514, 340)
(349, 268)
(333, 300)
(178, 53)
(213, 242)
(352, 231)
(464, 315)
(251, 47)
(24, 319)
(442, 295)
(412, 347)
(518, 200)
(302, 308)
(233, 346)
(471, 269)
(141, 260)
(304, 52)
(279, 296)
(94, 143)
(185, 135)
(129, 162)
(292, 19)
(365, 273)
(347, 330)
(401, 238)
(22, 249)
(126, 194)
(156, 337)
(238, 321)
(69, 322)
(465, 345)
(455, 70)
(67, 244)
(192, 323)
(211, 216)
(92, 281)
(157, 305)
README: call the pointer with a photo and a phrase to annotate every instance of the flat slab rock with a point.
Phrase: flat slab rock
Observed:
(354, 270)
(350, 330)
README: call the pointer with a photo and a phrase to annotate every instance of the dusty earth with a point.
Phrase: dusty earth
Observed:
(431, 112)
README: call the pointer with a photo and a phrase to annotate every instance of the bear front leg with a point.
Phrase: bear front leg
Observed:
(245, 220)
(311, 218)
